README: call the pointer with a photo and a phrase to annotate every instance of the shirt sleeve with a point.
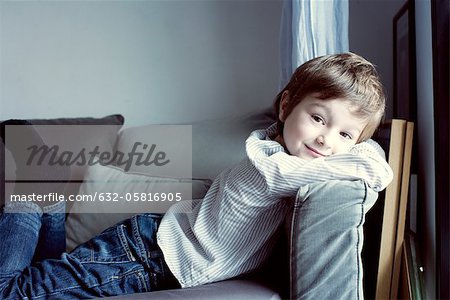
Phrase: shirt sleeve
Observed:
(285, 173)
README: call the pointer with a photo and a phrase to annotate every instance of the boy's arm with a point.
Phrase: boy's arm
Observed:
(285, 173)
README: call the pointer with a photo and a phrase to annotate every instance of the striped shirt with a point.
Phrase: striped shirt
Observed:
(232, 230)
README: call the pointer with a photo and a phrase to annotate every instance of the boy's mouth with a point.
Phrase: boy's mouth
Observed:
(314, 152)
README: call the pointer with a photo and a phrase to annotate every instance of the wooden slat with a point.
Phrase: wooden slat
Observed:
(404, 192)
(391, 206)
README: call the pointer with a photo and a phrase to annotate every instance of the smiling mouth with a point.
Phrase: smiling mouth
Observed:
(314, 152)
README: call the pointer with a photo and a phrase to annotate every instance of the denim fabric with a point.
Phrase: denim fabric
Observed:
(123, 259)
(52, 236)
(18, 239)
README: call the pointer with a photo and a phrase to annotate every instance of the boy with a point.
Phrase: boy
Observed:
(327, 112)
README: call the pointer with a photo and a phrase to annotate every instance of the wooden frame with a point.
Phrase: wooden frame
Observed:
(399, 135)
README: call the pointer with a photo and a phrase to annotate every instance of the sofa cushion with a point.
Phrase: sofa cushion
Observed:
(216, 144)
(248, 288)
(158, 150)
(116, 119)
(88, 133)
(89, 218)
(327, 219)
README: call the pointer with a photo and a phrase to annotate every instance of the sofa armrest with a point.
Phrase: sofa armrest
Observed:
(326, 237)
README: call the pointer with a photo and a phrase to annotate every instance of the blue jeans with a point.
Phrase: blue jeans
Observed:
(123, 259)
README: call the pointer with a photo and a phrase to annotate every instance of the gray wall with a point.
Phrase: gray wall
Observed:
(152, 61)
(158, 61)
(370, 35)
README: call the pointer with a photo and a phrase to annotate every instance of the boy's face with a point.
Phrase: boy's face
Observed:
(317, 128)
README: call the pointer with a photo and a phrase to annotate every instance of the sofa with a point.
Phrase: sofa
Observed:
(213, 146)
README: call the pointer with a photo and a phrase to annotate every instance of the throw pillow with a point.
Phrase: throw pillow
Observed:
(74, 134)
(120, 195)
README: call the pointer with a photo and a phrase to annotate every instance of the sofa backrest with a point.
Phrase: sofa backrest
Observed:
(216, 144)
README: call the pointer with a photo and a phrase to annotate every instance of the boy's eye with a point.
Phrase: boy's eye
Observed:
(318, 119)
(346, 135)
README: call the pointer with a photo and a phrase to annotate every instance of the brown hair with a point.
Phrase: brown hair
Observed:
(344, 75)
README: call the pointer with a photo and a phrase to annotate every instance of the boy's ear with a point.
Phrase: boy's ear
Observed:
(283, 106)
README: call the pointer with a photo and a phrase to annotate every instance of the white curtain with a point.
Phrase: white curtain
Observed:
(311, 28)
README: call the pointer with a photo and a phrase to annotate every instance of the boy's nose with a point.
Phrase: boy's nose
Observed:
(323, 140)
(320, 139)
